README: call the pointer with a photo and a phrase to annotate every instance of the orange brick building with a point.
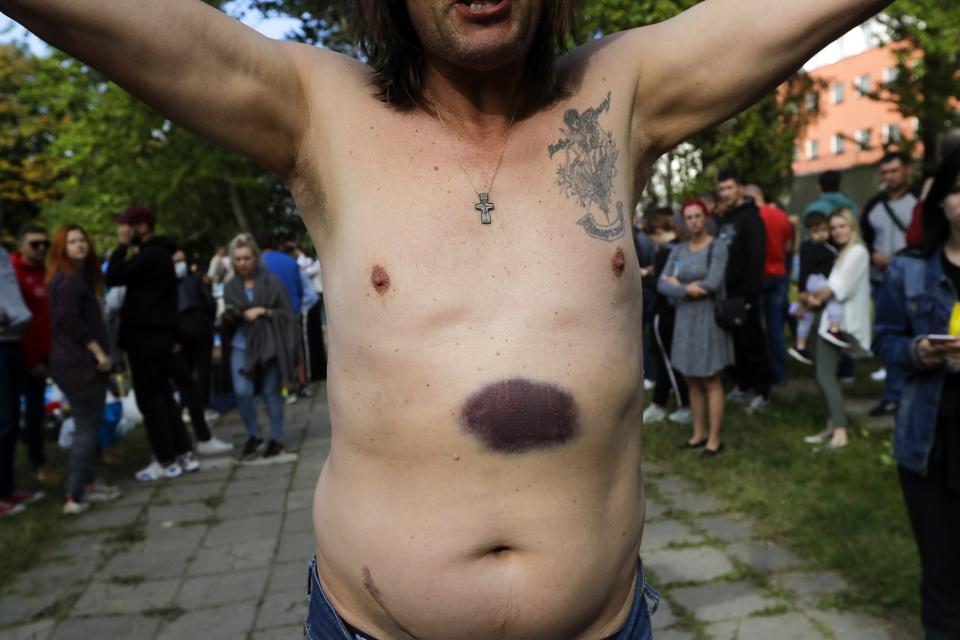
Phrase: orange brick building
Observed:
(852, 128)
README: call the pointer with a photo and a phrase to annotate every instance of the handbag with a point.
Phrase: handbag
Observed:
(729, 313)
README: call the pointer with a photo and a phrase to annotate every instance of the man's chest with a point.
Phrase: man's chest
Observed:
(401, 227)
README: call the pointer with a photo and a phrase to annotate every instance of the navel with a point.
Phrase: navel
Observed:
(380, 279)
(618, 263)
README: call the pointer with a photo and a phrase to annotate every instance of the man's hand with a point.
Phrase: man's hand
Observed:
(880, 260)
(937, 354)
(124, 234)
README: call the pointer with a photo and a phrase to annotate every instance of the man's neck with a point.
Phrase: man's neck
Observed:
(473, 104)
(899, 193)
(30, 261)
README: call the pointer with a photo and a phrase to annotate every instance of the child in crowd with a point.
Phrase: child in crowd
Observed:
(816, 261)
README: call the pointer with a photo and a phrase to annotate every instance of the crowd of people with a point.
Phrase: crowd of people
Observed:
(883, 282)
(80, 321)
(716, 278)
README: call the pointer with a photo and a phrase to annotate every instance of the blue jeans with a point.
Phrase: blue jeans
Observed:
(323, 622)
(245, 391)
(775, 291)
(896, 376)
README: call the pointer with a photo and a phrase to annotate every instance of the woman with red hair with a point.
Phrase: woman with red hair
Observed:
(78, 358)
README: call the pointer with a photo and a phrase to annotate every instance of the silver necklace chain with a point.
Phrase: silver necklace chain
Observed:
(481, 194)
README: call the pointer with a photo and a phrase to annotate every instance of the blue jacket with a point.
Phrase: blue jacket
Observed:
(915, 300)
(287, 271)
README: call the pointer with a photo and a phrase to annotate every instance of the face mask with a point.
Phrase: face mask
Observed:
(180, 268)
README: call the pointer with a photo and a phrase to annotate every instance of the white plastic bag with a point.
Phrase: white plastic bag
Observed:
(67, 431)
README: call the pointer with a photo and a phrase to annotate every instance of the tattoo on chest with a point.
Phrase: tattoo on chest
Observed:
(589, 157)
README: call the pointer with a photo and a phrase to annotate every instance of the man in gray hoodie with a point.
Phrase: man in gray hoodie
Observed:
(14, 320)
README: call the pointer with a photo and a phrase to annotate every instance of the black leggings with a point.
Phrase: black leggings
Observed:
(934, 511)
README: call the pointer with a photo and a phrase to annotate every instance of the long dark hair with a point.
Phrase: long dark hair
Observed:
(388, 40)
(936, 228)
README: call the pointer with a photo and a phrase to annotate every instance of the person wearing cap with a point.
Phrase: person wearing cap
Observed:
(148, 322)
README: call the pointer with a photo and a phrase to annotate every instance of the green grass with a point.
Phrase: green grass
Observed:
(28, 537)
(840, 510)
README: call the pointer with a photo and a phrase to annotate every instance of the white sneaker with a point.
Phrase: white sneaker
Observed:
(759, 403)
(150, 473)
(213, 446)
(682, 416)
(173, 471)
(649, 385)
(188, 462)
(210, 415)
(72, 508)
(292, 398)
(653, 413)
(185, 416)
(101, 492)
(879, 375)
(737, 395)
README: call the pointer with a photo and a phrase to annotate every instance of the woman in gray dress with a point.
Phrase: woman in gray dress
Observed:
(701, 350)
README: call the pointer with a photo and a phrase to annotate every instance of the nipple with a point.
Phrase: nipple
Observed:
(380, 279)
(618, 263)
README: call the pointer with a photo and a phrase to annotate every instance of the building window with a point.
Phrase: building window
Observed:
(837, 144)
(813, 100)
(862, 84)
(890, 74)
(813, 149)
(891, 133)
(836, 93)
(863, 138)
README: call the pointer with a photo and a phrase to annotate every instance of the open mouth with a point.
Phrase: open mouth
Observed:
(484, 9)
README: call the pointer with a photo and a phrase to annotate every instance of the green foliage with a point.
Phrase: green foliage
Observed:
(75, 147)
(26, 175)
(927, 86)
(115, 152)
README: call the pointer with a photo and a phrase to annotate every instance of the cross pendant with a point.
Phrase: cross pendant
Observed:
(484, 207)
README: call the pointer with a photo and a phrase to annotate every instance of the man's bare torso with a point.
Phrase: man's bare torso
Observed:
(425, 525)
(484, 475)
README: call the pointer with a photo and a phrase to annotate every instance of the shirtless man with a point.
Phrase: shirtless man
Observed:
(485, 379)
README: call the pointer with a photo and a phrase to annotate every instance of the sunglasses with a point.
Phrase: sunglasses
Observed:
(39, 244)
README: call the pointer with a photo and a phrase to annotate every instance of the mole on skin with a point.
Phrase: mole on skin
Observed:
(380, 279)
(519, 415)
(618, 263)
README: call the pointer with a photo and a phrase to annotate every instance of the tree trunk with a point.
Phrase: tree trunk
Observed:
(236, 205)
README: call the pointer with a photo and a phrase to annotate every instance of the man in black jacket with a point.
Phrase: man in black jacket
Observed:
(742, 228)
(148, 322)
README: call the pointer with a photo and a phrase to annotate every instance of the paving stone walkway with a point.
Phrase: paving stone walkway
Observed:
(719, 581)
(221, 554)
(218, 554)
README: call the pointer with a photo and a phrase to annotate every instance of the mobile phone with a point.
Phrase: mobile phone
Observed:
(941, 339)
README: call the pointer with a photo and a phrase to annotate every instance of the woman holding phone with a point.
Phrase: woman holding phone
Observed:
(918, 321)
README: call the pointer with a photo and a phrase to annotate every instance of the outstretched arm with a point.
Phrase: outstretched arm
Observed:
(719, 57)
(197, 66)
